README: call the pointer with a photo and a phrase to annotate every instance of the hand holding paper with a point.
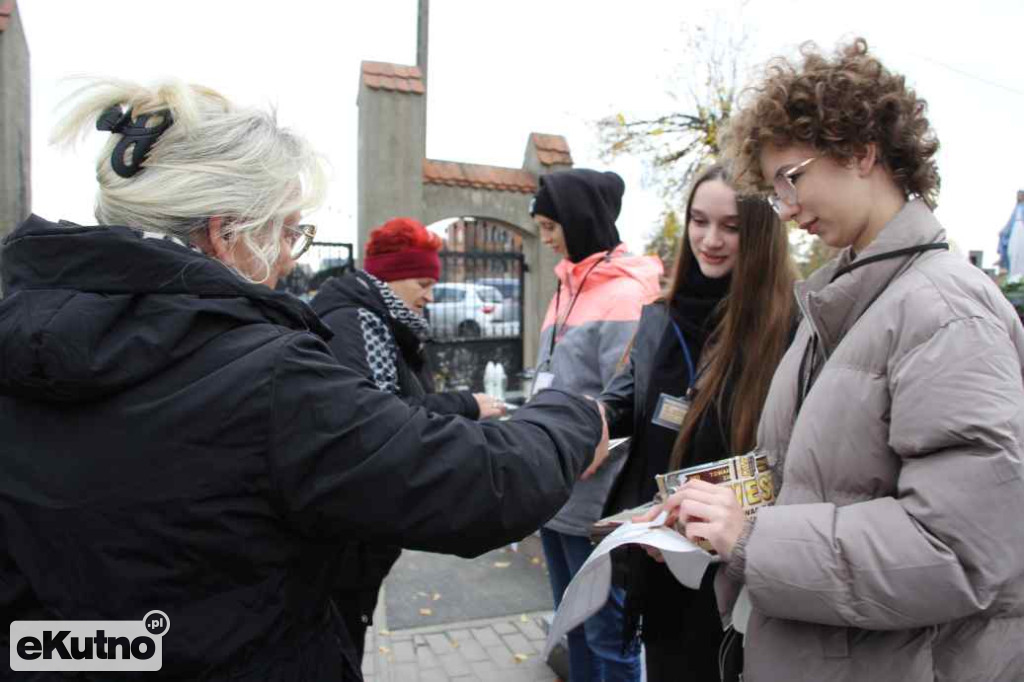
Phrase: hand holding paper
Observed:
(712, 499)
(710, 512)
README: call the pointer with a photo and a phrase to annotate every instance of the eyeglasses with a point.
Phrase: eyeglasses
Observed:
(301, 238)
(785, 188)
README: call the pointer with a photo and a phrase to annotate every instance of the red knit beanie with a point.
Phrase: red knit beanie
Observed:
(402, 248)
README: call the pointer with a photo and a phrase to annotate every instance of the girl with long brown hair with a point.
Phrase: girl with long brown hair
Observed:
(691, 392)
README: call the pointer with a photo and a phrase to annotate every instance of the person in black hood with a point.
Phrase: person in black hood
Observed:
(379, 331)
(590, 320)
(178, 436)
(584, 204)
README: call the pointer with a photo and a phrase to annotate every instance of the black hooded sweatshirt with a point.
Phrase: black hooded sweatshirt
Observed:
(176, 438)
(586, 203)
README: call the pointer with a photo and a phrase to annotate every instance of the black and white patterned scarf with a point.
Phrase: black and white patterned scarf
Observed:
(415, 322)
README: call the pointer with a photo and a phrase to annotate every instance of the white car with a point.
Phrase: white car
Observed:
(465, 311)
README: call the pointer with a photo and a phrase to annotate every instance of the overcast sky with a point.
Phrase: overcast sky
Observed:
(498, 71)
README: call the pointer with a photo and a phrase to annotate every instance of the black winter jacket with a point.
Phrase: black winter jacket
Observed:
(176, 438)
(680, 626)
(368, 339)
(625, 401)
(339, 303)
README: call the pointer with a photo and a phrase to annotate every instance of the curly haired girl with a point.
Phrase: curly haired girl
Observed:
(894, 423)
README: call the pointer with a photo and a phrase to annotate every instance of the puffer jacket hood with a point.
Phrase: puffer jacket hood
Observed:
(122, 321)
(587, 203)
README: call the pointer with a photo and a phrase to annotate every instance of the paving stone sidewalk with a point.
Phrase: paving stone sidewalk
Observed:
(505, 649)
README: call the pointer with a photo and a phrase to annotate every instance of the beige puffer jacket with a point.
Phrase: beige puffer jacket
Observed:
(895, 551)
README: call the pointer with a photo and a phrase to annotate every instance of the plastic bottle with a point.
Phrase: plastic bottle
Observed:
(500, 380)
(490, 374)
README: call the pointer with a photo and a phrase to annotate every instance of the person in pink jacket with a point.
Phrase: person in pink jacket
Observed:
(589, 323)
(895, 422)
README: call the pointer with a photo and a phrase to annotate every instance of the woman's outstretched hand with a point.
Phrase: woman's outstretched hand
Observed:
(490, 406)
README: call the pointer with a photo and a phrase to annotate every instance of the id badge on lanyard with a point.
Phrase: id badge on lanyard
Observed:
(670, 411)
(542, 380)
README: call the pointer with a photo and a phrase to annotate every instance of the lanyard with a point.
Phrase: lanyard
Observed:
(686, 352)
(572, 304)
(806, 374)
(910, 250)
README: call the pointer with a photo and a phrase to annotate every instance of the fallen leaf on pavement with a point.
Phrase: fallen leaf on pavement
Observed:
(384, 649)
(425, 612)
(437, 595)
(520, 657)
(524, 619)
(385, 633)
(535, 561)
(502, 564)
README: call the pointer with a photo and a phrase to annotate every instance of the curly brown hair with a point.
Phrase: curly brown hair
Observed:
(837, 106)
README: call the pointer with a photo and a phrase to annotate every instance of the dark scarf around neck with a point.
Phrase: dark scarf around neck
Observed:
(696, 300)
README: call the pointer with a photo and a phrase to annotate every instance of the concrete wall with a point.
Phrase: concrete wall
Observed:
(392, 146)
(444, 201)
(15, 141)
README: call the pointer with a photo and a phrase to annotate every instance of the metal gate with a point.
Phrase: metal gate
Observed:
(323, 261)
(477, 313)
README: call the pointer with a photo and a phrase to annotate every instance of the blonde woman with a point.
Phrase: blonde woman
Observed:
(178, 436)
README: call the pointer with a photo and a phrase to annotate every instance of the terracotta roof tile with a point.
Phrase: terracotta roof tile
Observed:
(394, 77)
(478, 176)
(6, 10)
(379, 68)
(552, 150)
(411, 72)
(552, 143)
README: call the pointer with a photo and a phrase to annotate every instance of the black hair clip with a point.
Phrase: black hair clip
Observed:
(135, 134)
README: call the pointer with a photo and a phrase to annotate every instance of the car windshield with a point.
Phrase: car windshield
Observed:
(489, 294)
(506, 287)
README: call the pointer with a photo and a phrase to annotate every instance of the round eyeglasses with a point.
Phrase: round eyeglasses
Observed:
(300, 237)
(785, 188)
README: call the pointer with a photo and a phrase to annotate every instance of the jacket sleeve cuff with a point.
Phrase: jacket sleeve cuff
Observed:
(470, 408)
(737, 565)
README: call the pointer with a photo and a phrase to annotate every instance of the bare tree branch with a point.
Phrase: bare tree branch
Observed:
(674, 145)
